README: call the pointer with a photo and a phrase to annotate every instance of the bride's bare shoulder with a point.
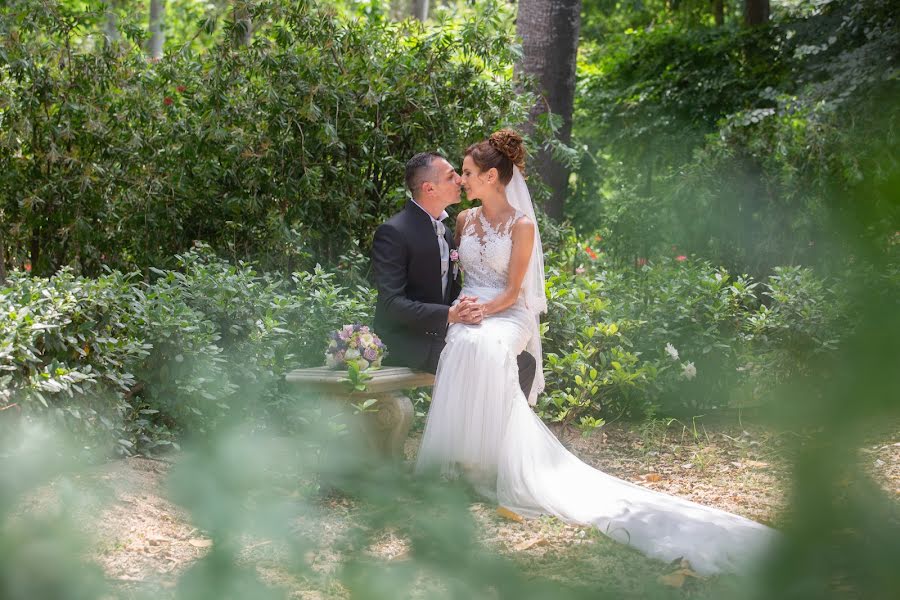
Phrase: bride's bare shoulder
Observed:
(522, 230)
(524, 224)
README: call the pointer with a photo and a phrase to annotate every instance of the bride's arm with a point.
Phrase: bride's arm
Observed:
(522, 244)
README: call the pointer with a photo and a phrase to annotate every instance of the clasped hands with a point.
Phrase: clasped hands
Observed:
(468, 310)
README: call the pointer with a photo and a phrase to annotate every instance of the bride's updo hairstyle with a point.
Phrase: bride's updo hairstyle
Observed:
(501, 151)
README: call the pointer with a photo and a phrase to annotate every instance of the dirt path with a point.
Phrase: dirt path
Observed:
(144, 542)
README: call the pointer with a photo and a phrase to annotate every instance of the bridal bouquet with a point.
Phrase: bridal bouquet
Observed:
(354, 344)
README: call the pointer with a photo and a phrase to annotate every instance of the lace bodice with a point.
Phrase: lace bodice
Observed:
(484, 252)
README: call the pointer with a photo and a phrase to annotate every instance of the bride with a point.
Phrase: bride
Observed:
(481, 426)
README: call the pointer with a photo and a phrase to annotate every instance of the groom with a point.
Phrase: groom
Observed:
(416, 279)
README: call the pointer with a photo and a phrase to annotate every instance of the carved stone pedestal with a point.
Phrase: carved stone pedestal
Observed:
(387, 426)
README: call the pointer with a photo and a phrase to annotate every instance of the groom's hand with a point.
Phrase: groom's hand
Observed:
(467, 311)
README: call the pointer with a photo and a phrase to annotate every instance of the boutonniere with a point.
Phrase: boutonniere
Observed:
(454, 260)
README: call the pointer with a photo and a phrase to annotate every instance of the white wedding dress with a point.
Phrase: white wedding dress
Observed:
(480, 426)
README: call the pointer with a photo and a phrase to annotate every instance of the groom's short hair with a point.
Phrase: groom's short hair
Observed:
(418, 170)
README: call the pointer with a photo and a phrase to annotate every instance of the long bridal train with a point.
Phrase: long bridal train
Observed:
(510, 456)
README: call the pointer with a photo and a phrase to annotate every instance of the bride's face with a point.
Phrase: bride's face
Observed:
(475, 181)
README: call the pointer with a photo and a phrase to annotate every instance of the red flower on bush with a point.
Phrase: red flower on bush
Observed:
(641, 262)
(180, 89)
(167, 101)
(590, 252)
(681, 258)
(27, 266)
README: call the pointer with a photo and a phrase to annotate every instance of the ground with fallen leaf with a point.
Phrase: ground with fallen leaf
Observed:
(142, 539)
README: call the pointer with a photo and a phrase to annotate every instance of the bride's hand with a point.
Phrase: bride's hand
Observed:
(475, 312)
(467, 310)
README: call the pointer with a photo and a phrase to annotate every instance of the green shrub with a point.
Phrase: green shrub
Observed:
(280, 152)
(590, 367)
(69, 348)
(685, 336)
(696, 310)
(119, 359)
(262, 325)
(803, 319)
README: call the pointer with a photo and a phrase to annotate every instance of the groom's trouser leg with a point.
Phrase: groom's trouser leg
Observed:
(434, 355)
(527, 369)
(526, 362)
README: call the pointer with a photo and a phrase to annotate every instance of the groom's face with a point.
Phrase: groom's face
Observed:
(446, 182)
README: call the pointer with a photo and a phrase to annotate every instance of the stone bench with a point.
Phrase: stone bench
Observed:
(388, 425)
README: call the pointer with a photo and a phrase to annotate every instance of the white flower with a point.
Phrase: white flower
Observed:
(351, 354)
(688, 370)
(671, 351)
(366, 340)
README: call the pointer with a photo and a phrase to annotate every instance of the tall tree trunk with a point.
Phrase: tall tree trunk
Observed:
(243, 30)
(420, 9)
(549, 31)
(719, 11)
(756, 12)
(157, 31)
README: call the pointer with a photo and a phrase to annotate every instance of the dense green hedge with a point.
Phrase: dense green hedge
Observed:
(283, 152)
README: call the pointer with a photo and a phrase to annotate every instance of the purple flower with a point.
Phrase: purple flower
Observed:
(370, 354)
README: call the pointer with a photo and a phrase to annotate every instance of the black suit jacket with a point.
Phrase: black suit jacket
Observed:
(411, 313)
